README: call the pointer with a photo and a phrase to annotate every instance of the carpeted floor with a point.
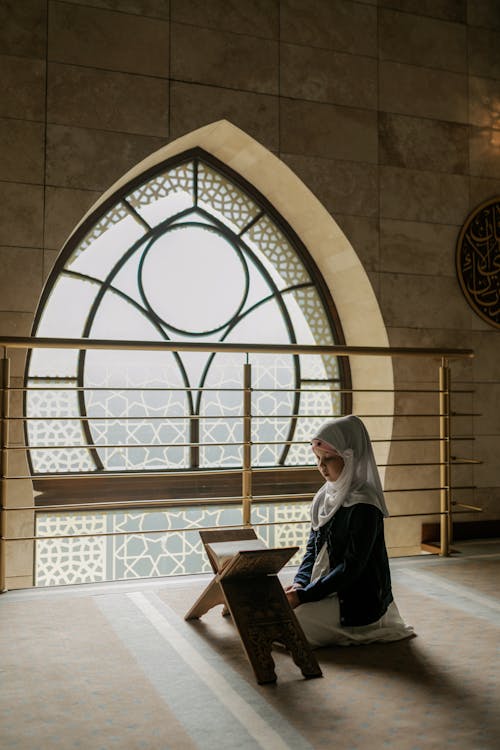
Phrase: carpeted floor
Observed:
(115, 666)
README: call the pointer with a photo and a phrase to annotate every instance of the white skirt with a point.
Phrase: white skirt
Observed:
(320, 622)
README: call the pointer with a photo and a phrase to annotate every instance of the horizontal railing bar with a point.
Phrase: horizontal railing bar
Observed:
(456, 459)
(194, 389)
(31, 342)
(472, 508)
(140, 532)
(201, 417)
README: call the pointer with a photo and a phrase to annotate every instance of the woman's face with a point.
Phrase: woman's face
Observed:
(330, 466)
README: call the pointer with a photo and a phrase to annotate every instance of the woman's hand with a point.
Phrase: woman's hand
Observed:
(292, 587)
(293, 597)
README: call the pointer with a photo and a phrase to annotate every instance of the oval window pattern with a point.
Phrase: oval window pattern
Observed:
(188, 251)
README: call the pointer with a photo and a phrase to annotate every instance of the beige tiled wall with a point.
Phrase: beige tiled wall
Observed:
(389, 111)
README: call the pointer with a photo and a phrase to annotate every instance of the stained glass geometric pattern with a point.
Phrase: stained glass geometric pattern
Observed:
(189, 253)
(129, 555)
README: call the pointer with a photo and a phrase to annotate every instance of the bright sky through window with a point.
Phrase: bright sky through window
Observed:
(188, 253)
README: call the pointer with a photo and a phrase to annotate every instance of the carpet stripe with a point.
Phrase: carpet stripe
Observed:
(259, 729)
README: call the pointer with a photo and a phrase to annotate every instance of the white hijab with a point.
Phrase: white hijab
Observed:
(359, 481)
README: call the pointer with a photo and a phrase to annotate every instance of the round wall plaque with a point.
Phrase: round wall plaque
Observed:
(478, 261)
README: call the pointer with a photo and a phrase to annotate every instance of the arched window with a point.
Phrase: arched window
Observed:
(187, 251)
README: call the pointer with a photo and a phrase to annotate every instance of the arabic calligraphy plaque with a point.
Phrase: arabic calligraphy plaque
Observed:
(478, 261)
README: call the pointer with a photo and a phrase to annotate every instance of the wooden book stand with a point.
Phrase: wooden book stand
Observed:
(246, 583)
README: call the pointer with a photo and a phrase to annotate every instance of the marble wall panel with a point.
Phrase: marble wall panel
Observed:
(22, 87)
(49, 260)
(484, 145)
(93, 159)
(16, 324)
(23, 27)
(222, 59)
(423, 196)
(98, 38)
(106, 100)
(343, 186)
(484, 13)
(362, 232)
(448, 10)
(487, 498)
(327, 76)
(417, 247)
(417, 143)
(252, 17)
(486, 398)
(193, 105)
(424, 371)
(484, 52)
(64, 208)
(314, 129)
(484, 102)
(21, 278)
(483, 189)
(153, 8)
(22, 145)
(425, 92)
(429, 301)
(333, 24)
(487, 362)
(487, 448)
(21, 214)
(417, 40)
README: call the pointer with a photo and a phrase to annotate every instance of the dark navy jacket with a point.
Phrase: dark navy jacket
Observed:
(359, 567)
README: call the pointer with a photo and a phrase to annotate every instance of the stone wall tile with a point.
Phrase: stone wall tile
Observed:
(21, 150)
(153, 8)
(21, 272)
(424, 370)
(23, 28)
(363, 234)
(326, 76)
(333, 24)
(22, 87)
(425, 92)
(316, 129)
(252, 17)
(484, 145)
(487, 448)
(341, 186)
(21, 214)
(483, 189)
(484, 102)
(483, 13)
(417, 247)
(417, 40)
(64, 209)
(484, 52)
(428, 301)
(417, 143)
(193, 105)
(448, 10)
(93, 159)
(98, 38)
(423, 196)
(224, 59)
(86, 97)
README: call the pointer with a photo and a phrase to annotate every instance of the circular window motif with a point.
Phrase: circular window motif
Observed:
(191, 268)
(478, 261)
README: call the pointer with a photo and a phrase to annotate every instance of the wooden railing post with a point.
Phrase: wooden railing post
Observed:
(445, 457)
(246, 476)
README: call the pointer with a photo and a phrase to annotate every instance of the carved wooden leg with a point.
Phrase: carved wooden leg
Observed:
(210, 597)
(262, 614)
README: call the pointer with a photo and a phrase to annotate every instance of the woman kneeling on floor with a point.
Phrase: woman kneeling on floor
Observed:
(342, 591)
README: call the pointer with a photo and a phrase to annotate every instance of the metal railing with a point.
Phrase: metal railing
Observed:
(247, 472)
